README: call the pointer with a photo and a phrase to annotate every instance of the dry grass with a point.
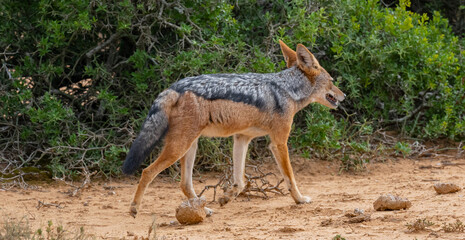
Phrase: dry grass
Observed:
(13, 229)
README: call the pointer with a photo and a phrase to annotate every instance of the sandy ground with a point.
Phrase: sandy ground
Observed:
(102, 209)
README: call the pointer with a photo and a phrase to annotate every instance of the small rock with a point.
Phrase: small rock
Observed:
(162, 224)
(191, 211)
(223, 200)
(130, 234)
(443, 188)
(357, 216)
(173, 223)
(433, 234)
(391, 202)
(106, 187)
(289, 229)
(108, 206)
(326, 222)
(359, 211)
(86, 204)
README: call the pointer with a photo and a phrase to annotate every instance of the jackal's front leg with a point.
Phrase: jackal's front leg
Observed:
(241, 143)
(281, 155)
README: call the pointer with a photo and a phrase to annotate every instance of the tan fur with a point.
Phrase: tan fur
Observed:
(192, 116)
(289, 55)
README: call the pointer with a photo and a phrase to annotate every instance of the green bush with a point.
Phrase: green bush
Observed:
(452, 10)
(78, 78)
(399, 68)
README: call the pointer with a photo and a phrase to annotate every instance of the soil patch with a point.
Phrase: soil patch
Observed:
(102, 209)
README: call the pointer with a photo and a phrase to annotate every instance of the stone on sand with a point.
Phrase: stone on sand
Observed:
(391, 202)
(191, 211)
(443, 188)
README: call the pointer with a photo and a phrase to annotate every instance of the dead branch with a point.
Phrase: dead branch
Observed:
(441, 165)
(4, 66)
(207, 187)
(260, 183)
(16, 181)
(424, 103)
(153, 228)
(257, 183)
(77, 189)
(104, 44)
(460, 150)
(43, 204)
(388, 5)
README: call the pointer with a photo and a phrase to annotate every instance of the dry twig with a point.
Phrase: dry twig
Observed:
(257, 182)
(77, 189)
(260, 183)
(43, 204)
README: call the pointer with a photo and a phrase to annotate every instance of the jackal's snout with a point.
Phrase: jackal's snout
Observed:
(339, 96)
(334, 96)
(326, 93)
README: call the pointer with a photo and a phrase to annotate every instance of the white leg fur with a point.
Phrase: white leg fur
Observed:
(241, 143)
(187, 168)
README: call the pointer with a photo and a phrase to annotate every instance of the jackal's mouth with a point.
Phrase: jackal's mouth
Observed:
(331, 99)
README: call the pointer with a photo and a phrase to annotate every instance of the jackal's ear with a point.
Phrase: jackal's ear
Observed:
(289, 55)
(305, 59)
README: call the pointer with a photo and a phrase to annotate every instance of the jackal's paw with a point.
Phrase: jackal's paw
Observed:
(208, 211)
(303, 200)
(133, 210)
(223, 200)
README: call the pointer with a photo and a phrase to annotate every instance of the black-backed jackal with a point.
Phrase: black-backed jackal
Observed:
(244, 106)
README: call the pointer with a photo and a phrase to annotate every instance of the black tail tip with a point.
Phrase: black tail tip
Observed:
(129, 167)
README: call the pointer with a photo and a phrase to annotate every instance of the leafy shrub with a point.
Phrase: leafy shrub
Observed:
(400, 68)
(452, 10)
(78, 78)
(403, 148)
(319, 132)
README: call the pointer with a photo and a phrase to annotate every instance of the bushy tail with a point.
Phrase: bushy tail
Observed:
(153, 131)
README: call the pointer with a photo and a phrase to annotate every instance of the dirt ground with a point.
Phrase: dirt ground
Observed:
(102, 209)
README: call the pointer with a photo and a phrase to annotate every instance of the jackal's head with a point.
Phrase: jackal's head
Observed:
(324, 91)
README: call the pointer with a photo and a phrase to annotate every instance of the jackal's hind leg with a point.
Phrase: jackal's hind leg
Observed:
(175, 147)
(187, 168)
(281, 155)
(241, 143)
